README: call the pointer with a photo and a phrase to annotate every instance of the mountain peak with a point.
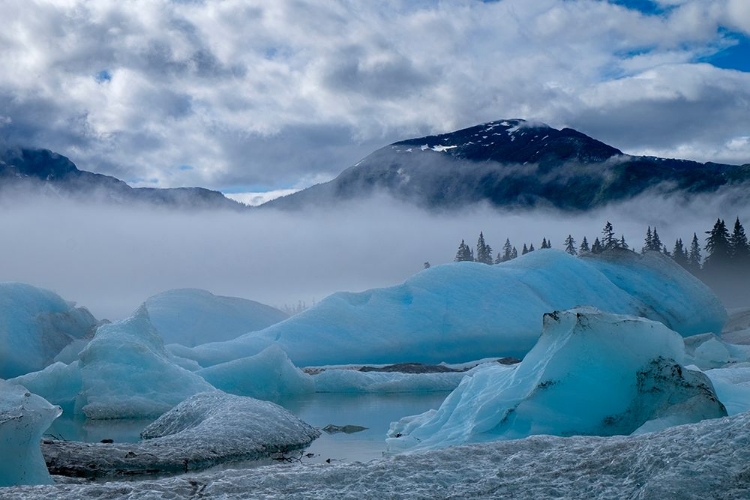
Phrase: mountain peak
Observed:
(514, 141)
(513, 163)
(40, 164)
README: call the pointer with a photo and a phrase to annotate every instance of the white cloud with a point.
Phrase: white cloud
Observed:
(270, 92)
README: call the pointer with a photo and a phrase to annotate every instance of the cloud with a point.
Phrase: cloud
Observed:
(268, 93)
(697, 111)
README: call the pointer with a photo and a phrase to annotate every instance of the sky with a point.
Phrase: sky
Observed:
(258, 97)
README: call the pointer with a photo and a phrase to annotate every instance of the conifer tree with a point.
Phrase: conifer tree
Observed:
(544, 242)
(694, 256)
(596, 247)
(648, 241)
(570, 245)
(484, 251)
(499, 258)
(524, 250)
(514, 253)
(718, 247)
(679, 254)
(608, 237)
(622, 242)
(464, 253)
(507, 250)
(584, 246)
(531, 247)
(656, 244)
(740, 247)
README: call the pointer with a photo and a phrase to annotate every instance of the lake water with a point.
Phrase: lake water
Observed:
(374, 411)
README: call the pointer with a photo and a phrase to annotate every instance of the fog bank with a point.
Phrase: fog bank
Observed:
(110, 259)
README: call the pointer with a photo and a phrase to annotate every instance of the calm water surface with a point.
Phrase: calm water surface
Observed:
(374, 411)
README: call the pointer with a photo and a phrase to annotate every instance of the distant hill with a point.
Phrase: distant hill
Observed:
(514, 163)
(41, 171)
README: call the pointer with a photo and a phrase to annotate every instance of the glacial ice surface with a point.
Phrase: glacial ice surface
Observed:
(204, 430)
(268, 375)
(23, 419)
(591, 373)
(467, 311)
(35, 325)
(667, 292)
(732, 386)
(353, 381)
(707, 351)
(190, 316)
(123, 372)
(708, 459)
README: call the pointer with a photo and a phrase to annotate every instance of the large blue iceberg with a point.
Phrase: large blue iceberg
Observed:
(190, 316)
(467, 311)
(591, 373)
(35, 325)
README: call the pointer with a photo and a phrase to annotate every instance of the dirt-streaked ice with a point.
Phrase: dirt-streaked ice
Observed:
(710, 459)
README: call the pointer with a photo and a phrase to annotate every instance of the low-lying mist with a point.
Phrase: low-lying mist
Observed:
(110, 259)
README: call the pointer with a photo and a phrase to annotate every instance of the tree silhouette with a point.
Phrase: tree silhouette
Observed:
(694, 255)
(570, 245)
(622, 242)
(608, 237)
(464, 253)
(680, 254)
(656, 244)
(738, 242)
(596, 247)
(484, 251)
(584, 246)
(718, 247)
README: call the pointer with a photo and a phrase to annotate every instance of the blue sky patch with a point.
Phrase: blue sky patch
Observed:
(645, 6)
(103, 76)
(736, 56)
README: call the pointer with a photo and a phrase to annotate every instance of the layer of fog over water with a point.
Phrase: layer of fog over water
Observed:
(110, 259)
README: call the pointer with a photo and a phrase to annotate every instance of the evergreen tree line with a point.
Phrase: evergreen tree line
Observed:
(726, 253)
(484, 251)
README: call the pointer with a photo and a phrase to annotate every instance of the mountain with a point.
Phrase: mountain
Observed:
(514, 163)
(42, 171)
